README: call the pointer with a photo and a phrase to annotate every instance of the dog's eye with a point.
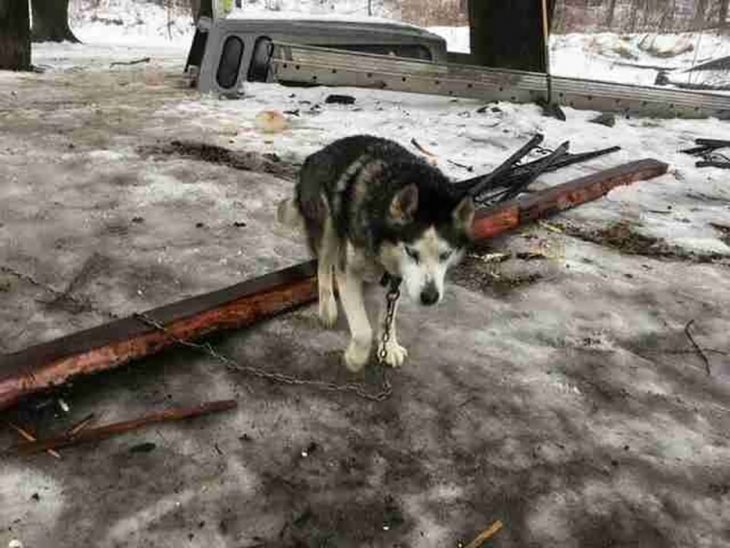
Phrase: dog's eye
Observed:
(412, 253)
(445, 256)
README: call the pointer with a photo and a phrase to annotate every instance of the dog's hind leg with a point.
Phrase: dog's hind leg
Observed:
(326, 257)
(395, 354)
(349, 284)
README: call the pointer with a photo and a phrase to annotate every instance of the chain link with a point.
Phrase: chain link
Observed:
(273, 376)
(360, 390)
(60, 295)
(391, 298)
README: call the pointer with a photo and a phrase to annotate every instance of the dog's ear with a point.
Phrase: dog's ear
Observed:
(463, 214)
(404, 205)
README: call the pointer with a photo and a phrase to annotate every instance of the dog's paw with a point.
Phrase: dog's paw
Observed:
(395, 354)
(328, 311)
(356, 356)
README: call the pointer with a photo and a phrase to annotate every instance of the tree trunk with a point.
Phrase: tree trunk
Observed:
(722, 16)
(508, 34)
(699, 20)
(610, 14)
(50, 21)
(14, 35)
(634, 11)
(201, 8)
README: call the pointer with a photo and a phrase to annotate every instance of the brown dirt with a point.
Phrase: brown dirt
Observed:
(623, 237)
(244, 161)
(479, 273)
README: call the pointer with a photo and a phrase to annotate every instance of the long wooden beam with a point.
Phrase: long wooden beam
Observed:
(113, 344)
(490, 222)
(110, 345)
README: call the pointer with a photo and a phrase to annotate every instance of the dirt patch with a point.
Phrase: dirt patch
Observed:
(623, 237)
(483, 271)
(245, 161)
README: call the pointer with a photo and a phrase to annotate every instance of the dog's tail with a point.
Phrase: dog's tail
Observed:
(308, 209)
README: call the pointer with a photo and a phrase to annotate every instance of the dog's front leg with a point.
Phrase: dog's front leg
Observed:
(349, 284)
(327, 258)
(395, 354)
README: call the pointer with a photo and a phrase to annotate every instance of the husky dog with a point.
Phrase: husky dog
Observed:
(370, 207)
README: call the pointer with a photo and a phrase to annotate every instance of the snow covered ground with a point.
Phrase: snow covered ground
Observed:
(635, 58)
(626, 58)
(560, 394)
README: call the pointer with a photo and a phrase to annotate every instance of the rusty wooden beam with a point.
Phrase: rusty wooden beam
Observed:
(113, 344)
(509, 215)
(110, 345)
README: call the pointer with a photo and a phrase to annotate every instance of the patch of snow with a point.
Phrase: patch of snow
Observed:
(710, 79)
(627, 58)
(457, 38)
(124, 22)
(632, 58)
(310, 16)
(305, 8)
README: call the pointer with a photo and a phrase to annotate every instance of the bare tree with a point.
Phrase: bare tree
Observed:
(50, 21)
(634, 14)
(14, 35)
(699, 19)
(610, 13)
(722, 15)
(508, 34)
(201, 8)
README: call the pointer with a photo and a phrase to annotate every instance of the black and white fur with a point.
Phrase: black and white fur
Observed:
(370, 206)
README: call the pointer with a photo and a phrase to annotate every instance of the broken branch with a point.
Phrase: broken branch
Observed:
(494, 220)
(485, 535)
(421, 149)
(700, 353)
(478, 185)
(27, 436)
(133, 62)
(79, 426)
(103, 432)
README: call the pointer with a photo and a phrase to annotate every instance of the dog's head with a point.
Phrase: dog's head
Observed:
(432, 230)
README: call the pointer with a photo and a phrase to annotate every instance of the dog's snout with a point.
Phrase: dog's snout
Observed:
(430, 294)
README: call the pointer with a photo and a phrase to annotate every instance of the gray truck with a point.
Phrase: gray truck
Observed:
(227, 52)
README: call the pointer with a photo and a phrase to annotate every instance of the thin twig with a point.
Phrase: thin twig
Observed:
(133, 62)
(81, 425)
(697, 347)
(422, 149)
(27, 436)
(485, 535)
(462, 166)
(109, 430)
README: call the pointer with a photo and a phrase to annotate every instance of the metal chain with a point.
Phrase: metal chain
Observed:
(280, 378)
(391, 298)
(272, 376)
(61, 295)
